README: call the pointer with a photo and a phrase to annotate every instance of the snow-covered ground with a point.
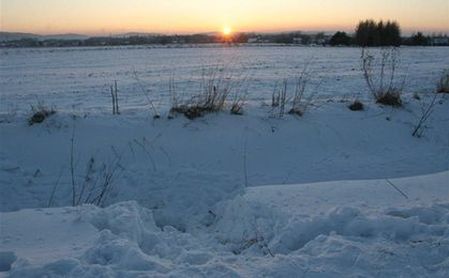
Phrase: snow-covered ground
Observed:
(334, 193)
(334, 229)
(79, 78)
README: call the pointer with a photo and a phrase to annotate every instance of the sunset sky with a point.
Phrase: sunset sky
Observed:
(190, 16)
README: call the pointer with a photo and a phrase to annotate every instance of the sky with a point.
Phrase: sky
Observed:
(101, 17)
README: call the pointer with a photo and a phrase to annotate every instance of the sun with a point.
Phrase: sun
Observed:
(227, 31)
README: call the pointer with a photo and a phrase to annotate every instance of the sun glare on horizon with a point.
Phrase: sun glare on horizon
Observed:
(227, 30)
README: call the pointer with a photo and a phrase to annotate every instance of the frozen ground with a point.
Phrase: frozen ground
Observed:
(223, 195)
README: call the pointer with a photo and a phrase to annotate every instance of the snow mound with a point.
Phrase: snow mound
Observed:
(127, 219)
(243, 237)
(351, 222)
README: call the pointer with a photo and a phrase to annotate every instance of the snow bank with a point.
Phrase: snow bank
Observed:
(245, 236)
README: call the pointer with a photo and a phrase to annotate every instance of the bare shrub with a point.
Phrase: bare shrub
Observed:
(97, 183)
(39, 113)
(300, 100)
(443, 84)
(237, 105)
(381, 76)
(279, 99)
(98, 180)
(216, 87)
(98, 193)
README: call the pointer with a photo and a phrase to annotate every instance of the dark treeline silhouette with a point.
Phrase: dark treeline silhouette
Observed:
(131, 40)
(418, 39)
(341, 38)
(237, 38)
(367, 33)
(371, 33)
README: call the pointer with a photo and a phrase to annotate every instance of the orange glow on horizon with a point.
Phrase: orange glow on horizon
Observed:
(102, 17)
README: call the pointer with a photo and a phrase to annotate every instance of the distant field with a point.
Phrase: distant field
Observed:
(80, 77)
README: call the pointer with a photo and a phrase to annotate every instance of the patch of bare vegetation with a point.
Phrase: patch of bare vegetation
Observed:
(298, 103)
(39, 113)
(214, 96)
(98, 181)
(279, 99)
(238, 104)
(381, 76)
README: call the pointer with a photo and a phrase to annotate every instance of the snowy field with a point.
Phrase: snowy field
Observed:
(79, 78)
(334, 193)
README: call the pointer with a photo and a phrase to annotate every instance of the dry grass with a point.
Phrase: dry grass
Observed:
(381, 76)
(300, 100)
(279, 99)
(216, 88)
(237, 106)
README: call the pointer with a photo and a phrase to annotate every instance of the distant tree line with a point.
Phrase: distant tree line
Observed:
(371, 33)
(341, 38)
(418, 39)
(237, 38)
(131, 40)
(367, 33)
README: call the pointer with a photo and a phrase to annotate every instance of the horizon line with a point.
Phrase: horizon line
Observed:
(407, 31)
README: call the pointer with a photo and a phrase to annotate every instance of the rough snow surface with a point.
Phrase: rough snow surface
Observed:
(337, 229)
